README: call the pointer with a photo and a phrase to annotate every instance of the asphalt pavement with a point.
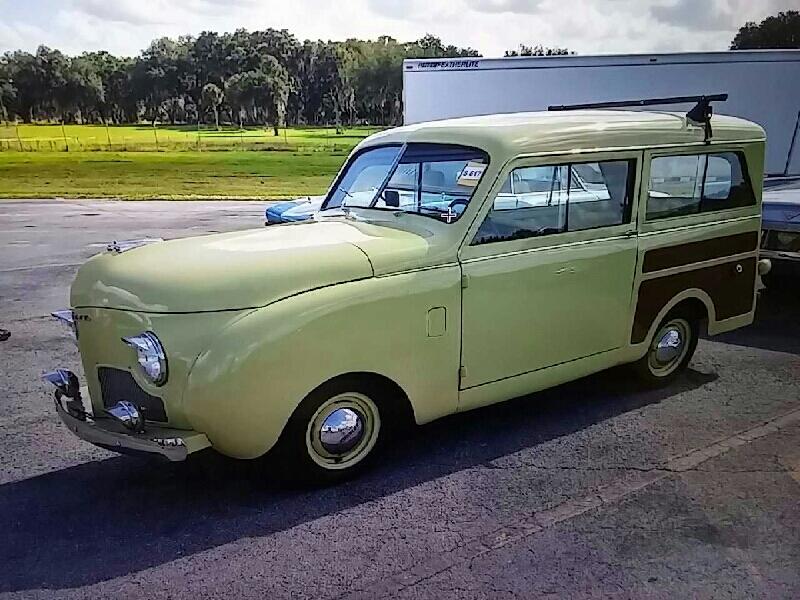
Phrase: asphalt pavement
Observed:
(593, 489)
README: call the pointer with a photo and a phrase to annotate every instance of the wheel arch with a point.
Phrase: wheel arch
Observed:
(392, 395)
(696, 301)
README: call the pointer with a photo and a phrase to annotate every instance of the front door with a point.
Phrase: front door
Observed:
(549, 267)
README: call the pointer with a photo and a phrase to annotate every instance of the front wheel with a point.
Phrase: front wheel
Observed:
(670, 350)
(331, 435)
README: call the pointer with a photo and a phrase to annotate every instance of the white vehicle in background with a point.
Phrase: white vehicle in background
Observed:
(533, 187)
(762, 86)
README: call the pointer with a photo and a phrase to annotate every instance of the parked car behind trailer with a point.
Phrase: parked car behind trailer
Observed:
(781, 223)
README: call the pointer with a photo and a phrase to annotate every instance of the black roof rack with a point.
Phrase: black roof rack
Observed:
(700, 114)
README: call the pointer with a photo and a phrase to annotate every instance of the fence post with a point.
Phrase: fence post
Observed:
(19, 140)
(155, 134)
(108, 135)
(64, 135)
(199, 147)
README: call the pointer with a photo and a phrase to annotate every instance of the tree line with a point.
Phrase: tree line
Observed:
(243, 78)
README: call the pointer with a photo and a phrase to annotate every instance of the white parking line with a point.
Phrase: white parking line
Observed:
(32, 267)
(631, 482)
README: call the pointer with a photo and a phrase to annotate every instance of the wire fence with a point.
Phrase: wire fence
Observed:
(93, 138)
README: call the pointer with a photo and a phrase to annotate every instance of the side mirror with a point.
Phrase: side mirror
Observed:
(392, 198)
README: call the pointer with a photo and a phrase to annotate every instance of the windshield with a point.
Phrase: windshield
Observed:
(435, 180)
(363, 177)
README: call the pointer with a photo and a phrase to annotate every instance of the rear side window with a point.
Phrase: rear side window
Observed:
(695, 183)
(546, 200)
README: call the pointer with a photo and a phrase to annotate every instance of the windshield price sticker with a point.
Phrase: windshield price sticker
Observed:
(471, 174)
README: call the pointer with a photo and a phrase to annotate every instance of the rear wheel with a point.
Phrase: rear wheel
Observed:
(670, 349)
(332, 434)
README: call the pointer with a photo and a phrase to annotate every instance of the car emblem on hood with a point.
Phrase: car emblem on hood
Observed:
(125, 245)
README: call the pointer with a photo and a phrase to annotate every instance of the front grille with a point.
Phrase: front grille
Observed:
(116, 385)
(781, 241)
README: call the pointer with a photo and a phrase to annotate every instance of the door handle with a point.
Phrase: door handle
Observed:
(630, 234)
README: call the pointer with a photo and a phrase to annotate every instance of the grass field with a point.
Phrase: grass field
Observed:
(166, 175)
(182, 164)
(145, 138)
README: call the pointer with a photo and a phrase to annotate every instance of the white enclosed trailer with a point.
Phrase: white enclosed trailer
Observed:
(763, 86)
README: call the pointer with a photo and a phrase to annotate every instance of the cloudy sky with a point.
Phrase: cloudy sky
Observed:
(491, 26)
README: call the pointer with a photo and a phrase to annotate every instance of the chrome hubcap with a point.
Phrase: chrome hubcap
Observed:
(341, 431)
(669, 347)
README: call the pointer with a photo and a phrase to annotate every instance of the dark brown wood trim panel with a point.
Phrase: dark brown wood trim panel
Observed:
(731, 291)
(693, 252)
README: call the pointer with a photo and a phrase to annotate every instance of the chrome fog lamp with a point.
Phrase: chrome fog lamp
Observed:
(126, 413)
(150, 355)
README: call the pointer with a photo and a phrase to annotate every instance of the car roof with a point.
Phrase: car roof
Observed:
(513, 134)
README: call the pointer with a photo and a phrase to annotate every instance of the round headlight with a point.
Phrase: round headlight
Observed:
(150, 355)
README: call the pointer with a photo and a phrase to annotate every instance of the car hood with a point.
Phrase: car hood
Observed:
(229, 271)
(781, 209)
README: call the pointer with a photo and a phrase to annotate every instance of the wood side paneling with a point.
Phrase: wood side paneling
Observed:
(730, 290)
(693, 252)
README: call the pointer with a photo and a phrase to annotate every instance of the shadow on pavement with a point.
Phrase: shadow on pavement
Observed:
(105, 519)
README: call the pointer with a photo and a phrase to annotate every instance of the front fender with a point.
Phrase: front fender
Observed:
(242, 390)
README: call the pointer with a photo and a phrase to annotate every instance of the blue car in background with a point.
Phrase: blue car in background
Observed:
(291, 211)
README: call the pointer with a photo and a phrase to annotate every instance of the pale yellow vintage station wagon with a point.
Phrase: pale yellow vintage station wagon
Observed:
(454, 264)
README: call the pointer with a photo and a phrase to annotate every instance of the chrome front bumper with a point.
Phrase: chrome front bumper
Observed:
(779, 255)
(107, 433)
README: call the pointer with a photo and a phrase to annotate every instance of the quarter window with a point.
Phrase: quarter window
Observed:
(361, 180)
(545, 200)
(691, 184)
